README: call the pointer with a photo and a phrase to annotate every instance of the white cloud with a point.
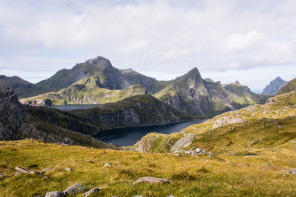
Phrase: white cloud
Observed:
(158, 35)
(238, 42)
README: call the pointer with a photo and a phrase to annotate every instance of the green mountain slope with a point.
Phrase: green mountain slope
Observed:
(256, 127)
(85, 91)
(290, 86)
(195, 96)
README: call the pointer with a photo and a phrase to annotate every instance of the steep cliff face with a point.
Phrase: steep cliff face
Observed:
(195, 96)
(137, 110)
(274, 86)
(11, 114)
(17, 122)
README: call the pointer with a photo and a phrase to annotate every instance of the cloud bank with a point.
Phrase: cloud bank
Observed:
(159, 35)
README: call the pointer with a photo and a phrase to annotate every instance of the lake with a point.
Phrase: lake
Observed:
(74, 106)
(130, 136)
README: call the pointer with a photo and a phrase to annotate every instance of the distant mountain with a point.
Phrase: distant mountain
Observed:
(19, 85)
(195, 96)
(289, 87)
(109, 78)
(274, 86)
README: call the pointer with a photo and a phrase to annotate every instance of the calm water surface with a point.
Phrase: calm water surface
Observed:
(130, 136)
(71, 107)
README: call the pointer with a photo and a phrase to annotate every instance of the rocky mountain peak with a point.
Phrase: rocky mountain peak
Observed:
(274, 86)
(99, 61)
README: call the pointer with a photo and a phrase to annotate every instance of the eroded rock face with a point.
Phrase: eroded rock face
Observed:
(11, 114)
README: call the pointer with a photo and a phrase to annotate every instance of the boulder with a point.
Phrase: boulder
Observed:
(93, 190)
(183, 142)
(55, 194)
(74, 189)
(152, 180)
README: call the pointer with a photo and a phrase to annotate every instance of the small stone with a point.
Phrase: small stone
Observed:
(107, 165)
(55, 194)
(93, 190)
(68, 169)
(74, 189)
(292, 171)
(91, 161)
(152, 180)
(46, 177)
(211, 155)
(268, 164)
(45, 170)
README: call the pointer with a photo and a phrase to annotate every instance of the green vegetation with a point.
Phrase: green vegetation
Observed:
(225, 175)
(255, 127)
(86, 91)
(291, 86)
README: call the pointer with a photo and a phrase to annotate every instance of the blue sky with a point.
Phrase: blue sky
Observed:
(250, 41)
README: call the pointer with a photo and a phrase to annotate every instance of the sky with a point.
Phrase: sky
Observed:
(250, 41)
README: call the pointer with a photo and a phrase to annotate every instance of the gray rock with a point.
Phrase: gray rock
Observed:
(183, 142)
(93, 190)
(107, 165)
(74, 189)
(68, 169)
(55, 194)
(292, 171)
(226, 120)
(152, 180)
(23, 170)
(45, 170)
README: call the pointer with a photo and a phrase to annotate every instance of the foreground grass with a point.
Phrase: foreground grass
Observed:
(225, 175)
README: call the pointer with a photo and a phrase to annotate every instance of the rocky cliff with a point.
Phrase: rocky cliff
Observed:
(274, 86)
(17, 122)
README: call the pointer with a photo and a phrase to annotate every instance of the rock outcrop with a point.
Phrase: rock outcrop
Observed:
(11, 114)
(18, 122)
(152, 180)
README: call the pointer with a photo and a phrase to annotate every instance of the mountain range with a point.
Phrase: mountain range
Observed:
(97, 82)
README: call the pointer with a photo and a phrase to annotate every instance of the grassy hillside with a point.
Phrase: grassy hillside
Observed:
(85, 91)
(225, 175)
(291, 86)
(256, 127)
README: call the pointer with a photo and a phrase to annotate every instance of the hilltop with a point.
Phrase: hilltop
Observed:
(291, 86)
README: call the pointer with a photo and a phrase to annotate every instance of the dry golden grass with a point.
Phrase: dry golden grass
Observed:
(225, 175)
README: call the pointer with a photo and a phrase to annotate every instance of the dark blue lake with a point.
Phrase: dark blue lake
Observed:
(71, 107)
(130, 136)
